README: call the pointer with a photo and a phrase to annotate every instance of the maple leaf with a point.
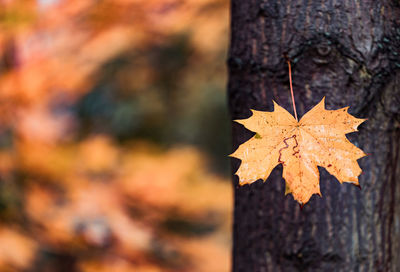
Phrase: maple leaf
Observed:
(318, 139)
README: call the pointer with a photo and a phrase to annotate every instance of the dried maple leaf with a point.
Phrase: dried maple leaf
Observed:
(318, 139)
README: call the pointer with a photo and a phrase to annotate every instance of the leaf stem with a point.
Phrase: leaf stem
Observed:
(291, 90)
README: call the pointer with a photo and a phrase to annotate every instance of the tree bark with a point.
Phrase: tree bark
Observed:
(349, 52)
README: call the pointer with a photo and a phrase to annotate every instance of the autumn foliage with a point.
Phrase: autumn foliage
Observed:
(318, 139)
(94, 175)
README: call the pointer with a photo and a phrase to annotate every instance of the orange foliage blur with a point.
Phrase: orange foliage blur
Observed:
(76, 202)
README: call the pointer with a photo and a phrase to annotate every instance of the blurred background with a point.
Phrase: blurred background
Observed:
(114, 135)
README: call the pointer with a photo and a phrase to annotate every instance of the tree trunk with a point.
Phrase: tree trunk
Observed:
(349, 52)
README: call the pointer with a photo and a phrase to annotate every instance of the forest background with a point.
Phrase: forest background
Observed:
(114, 133)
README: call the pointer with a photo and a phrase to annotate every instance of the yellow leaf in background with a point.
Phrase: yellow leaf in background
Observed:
(318, 139)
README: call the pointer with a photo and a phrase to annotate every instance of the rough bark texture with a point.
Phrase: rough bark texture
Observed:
(348, 51)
